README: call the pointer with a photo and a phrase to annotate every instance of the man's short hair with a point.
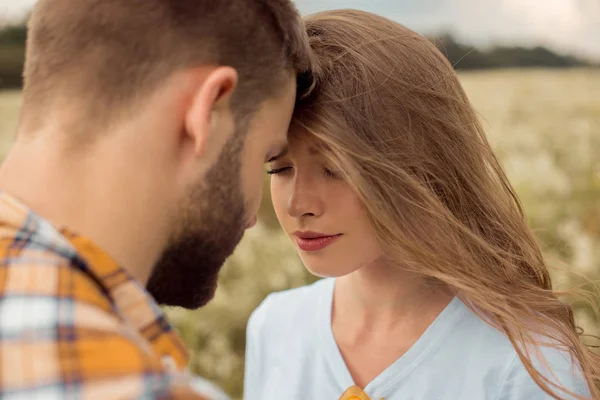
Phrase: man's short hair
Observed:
(106, 54)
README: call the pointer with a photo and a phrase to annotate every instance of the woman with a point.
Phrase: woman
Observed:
(435, 287)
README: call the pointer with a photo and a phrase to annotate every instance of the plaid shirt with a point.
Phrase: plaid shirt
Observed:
(74, 324)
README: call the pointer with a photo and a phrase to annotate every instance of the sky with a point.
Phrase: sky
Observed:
(568, 26)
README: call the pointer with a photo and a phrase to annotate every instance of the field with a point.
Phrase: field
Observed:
(544, 125)
(10, 103)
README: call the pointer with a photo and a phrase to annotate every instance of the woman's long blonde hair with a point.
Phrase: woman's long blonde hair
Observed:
(391, 114)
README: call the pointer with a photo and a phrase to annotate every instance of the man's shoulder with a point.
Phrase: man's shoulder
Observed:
(44, 286)
(41, 269)
(56, 311)
(27, 237)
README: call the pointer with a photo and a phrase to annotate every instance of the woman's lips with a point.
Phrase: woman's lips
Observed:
(311, 241)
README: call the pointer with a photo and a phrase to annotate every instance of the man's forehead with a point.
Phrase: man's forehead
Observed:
(280, 104)
(282, 154)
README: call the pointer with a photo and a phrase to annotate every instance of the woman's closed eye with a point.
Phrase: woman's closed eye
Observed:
(330, 173)
(279, 170)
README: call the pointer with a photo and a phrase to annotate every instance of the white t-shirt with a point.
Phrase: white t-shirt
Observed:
(292, 354)
(208, 389)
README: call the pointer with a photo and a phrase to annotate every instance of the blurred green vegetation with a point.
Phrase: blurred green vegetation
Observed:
(466, 57)
(12, 56)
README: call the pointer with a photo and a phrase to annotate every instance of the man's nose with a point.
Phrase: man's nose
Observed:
(252, 222)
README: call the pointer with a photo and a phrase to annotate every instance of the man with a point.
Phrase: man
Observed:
(137, 166)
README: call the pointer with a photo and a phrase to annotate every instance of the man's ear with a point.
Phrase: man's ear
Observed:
(210, 114)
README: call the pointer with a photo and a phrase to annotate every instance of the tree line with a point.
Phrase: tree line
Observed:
(462, 56)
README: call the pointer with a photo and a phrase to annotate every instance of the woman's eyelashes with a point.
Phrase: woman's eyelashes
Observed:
(329, 173)
(278, 171)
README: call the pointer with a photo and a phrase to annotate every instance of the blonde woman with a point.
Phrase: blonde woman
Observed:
(435, 286)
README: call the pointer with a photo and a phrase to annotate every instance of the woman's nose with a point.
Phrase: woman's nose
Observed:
(304, 200)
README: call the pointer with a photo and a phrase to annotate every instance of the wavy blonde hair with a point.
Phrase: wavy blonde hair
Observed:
(389, 112)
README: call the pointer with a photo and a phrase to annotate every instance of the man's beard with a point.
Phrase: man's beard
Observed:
(210, 225)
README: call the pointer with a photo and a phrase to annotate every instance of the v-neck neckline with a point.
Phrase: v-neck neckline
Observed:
(380, 385)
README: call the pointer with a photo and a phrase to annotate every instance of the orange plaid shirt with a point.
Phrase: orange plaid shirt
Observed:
(74, 324)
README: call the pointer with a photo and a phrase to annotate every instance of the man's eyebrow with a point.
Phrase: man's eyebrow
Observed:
(281, 154)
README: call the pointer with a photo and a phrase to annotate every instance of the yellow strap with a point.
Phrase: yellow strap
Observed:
(354, 393)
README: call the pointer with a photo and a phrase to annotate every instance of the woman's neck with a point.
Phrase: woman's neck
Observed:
(381, 293)
(378, 313)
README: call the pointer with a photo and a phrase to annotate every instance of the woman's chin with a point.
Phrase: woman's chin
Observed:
(324, 270)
